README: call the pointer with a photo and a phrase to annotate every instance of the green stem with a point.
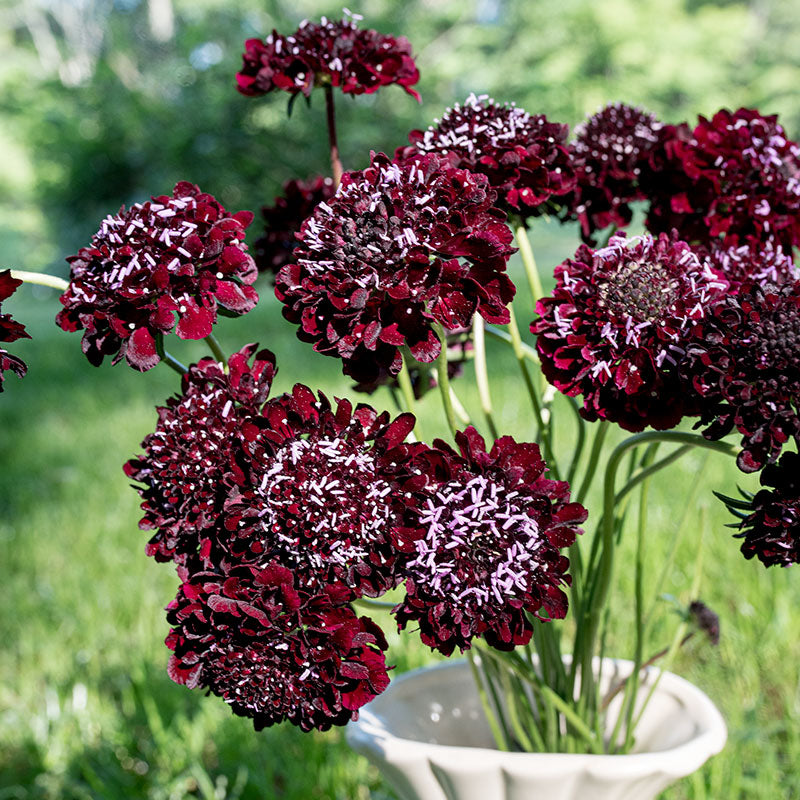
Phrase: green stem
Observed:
(494, 725)
(502, 336)
(598, 593)
(680, 634)
(169, 360)
(444, 380)
(651, 470)
(369, 602)
(404, 382)
(632, 687)
(516, 343)
(336, 164)
(529, 262)
(40, 279)
(594, 457)
(212, 342)
(458, 409)
(580, 444)
(482, 373)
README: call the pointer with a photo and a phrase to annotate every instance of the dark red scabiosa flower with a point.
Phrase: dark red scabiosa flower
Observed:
(485, 554)
(282, 221)
(759, 262)
(182, 255)
(200, 452)
(747, 369)
(617, 327)
(328, 53)
(272, 652)
(611, 150)
(400, 247)
(770, 521)
(327, 499)
(10, 329)
(524, 156)
(736, 176)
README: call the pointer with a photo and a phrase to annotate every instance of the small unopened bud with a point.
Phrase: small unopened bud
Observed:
(705, 619)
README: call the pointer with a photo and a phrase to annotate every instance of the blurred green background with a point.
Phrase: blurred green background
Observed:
(104, 103)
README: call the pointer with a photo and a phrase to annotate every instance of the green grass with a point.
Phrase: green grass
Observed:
(86, 708)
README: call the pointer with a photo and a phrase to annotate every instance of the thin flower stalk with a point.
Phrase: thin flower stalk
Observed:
(482, 373)
(40, 279)
(330, 114)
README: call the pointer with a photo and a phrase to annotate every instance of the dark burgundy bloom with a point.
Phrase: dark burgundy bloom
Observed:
(200, 451)
(282, 221)
(735, 176)
(328, 53)
(400, 247)
(610, 152)
(524, 156)
(274, 653)
(486, 552)
(10, 329)
(747, 368)
(617, 327)
(771, 529)
(759, 262)
(327, 499)
(181, 255)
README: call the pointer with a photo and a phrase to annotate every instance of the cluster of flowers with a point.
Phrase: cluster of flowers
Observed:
(280, 512)
(328, 53)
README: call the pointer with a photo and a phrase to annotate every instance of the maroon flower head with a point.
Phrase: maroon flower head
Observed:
(757, 262)
(10, 329)
(327, 498)
(182, 255)
(617, 327)
(399, 247)
(282, 221)
(486, 552)
(771, 531)
(200, 452)
(735, 176)
(524, 156)
(328, 53)
(747, 369)
(610, 152)
(273, 653)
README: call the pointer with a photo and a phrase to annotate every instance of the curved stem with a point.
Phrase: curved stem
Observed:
(336, 164)
(502, 336)
(482, 372)
(529, 262)
(444, 380)
(652, 469)
(169, 360)
(598, 593)
(173, 363)
(216, 349)
(40, 279)
(461, 413)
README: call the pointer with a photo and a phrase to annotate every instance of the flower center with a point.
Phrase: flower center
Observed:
(778, 343)
(480, 544)
(324, 504)
(641, 290)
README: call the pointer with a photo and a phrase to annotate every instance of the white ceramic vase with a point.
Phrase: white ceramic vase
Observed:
(429, 737)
